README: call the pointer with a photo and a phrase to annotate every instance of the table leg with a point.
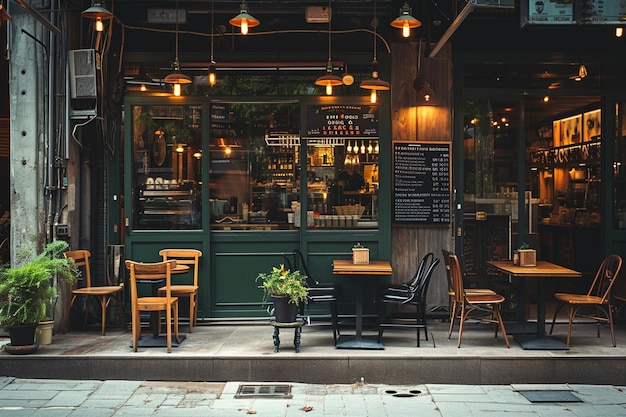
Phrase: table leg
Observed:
(358, 341)
(540, 341)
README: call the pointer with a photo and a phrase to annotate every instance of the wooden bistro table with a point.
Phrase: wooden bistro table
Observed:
(542, 271)
(373, 269)
(157, 340)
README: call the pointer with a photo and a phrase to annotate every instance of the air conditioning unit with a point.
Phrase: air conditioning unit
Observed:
(83, 67)
(83, 73)
(318, 14)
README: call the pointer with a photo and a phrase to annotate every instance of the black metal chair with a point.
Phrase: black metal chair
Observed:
(413, 292)
(318, 292)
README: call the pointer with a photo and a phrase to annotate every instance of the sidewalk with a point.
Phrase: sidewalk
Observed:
(40, 397)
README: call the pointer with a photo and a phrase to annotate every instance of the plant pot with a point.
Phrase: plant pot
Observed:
(43, 334)
(22, 335)
(284, 311)
(360, 256)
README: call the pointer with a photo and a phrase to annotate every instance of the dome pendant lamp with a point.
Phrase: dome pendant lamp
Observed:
(99, 13)
(406, 21)
(244, 20)
(177, 78)
(375, 84)
(329, 80)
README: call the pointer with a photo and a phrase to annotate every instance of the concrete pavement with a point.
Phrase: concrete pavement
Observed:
(51, 398)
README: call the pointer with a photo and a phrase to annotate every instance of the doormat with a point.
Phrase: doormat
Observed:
(264, 391)
(550, 396)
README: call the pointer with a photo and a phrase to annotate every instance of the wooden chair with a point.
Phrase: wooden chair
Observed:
(151, 272)
(597, 299)
(104, 293)
(469, 303)
(189, 257)
(451, 293)
(414, 293)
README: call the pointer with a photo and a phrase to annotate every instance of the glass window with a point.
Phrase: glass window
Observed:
(619, 164)
(254, 165)
(167, 166)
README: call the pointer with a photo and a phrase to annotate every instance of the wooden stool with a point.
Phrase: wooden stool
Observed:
(296, 325)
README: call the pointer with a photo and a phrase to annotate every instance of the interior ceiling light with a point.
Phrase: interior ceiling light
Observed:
(374, 84)
(425, 92)
(244, 20)
(329, 80)
(406, 21)
(177, 78)
(619, 32)
(582, 71)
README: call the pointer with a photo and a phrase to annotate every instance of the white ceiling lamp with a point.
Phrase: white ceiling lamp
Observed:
(406, 21)
(244, 20)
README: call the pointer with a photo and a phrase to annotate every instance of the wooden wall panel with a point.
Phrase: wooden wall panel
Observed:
(424, 123)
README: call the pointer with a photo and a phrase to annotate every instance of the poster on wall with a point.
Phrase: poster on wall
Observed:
(421, 183)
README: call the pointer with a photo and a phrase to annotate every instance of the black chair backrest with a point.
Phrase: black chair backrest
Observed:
(424, 265)
(300, 264)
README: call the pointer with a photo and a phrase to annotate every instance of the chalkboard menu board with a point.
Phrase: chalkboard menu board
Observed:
(342, 120)
(421, 183)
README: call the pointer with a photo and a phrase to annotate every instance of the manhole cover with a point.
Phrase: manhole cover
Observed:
(264, 391)
(550, 396)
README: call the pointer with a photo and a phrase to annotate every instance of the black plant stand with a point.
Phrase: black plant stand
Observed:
(296, 325)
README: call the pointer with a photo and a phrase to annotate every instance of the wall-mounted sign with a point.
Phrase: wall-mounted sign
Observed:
(552, 12)
(584, 12)
(342, 120)
(421, 183)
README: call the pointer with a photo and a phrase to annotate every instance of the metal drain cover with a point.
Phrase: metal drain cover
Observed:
(550, 396)
(264, 391)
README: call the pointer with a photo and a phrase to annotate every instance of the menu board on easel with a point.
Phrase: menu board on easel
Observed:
(421, 183)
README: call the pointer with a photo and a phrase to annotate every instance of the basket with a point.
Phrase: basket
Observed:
(350, 210)
(527, 257)
(360, 256)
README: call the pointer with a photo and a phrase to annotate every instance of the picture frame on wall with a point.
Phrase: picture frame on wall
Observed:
(571, 130)
(592, 125)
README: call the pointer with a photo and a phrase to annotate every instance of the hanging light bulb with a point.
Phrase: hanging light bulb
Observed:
(369, 147)
(405, 21)
(244, 20)
(143, 87)
(329, 80)
(177, 78)
(362, 147)
(374, 84)
(99, 25)
(349, 147)
(212, 73)
(376, 149)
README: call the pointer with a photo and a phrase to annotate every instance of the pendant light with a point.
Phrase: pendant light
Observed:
(177, 78)
(99, 13)
(375, 84)
(406, 21)
(244, 20)
(212, 76)
(329, 80)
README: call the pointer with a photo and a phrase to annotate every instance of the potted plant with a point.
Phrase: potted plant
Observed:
(527, 256)
(27, 291)
(287, 290)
